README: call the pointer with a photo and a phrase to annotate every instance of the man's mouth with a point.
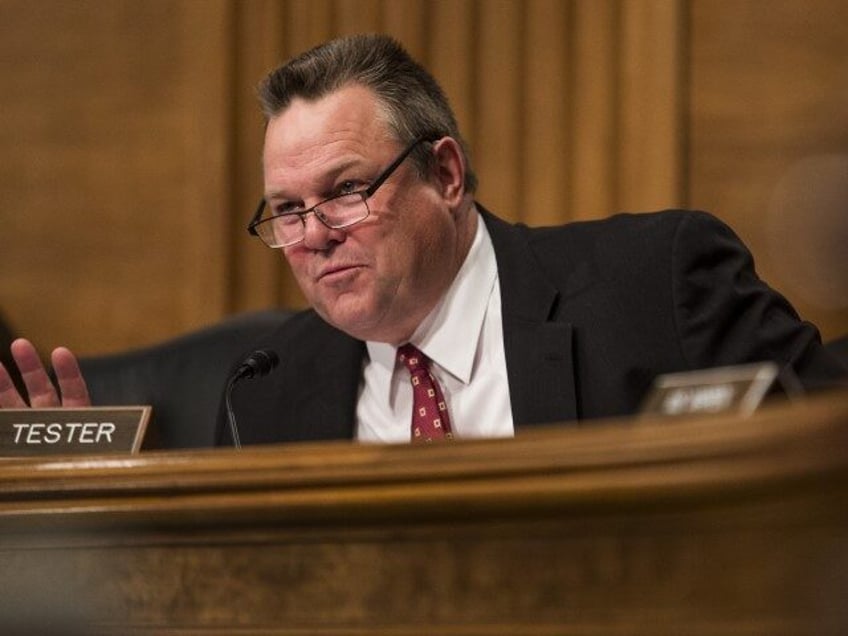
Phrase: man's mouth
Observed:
(337, 272)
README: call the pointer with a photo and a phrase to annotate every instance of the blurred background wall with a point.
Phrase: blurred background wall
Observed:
(130, 139)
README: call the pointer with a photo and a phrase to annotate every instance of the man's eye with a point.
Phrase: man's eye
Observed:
(286, 208)
(348, 186)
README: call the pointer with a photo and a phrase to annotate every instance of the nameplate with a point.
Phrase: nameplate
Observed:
(59, 431)
(738, 389)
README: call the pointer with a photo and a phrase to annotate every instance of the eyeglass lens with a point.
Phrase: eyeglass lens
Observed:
(335, 213)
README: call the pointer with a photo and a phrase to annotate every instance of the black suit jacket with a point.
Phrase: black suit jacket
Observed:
(592, 313)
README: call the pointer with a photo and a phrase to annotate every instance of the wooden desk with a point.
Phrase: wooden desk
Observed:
(707, 526)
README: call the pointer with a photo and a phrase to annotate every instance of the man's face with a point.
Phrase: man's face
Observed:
(378, 279)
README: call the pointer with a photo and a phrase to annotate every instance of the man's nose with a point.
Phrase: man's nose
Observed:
(317, 236)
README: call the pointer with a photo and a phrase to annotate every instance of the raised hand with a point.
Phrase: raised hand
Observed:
(41, 392)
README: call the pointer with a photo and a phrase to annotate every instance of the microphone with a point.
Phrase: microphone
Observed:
(259, 363)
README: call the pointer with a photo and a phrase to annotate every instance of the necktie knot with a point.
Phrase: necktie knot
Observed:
(412, 358)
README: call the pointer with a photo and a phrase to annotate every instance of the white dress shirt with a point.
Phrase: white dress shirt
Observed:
(463, 337)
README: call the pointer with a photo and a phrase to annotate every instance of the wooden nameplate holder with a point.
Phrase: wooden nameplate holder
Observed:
(64, 431)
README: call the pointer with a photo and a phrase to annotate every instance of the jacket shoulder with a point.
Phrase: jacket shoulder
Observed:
(625, 244)
(635, 226)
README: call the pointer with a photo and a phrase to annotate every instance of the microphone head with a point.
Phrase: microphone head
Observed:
(258, 364)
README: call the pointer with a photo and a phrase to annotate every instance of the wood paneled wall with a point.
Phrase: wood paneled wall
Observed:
(130, 139)
(116, 149)
(768, 141)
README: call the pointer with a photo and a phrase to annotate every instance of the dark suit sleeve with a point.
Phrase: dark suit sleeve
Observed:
(726, 315)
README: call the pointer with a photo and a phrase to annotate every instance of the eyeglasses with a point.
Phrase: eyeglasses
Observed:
(337, 212)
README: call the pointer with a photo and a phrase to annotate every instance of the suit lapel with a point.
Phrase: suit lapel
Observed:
(538, 349)
(347, 374)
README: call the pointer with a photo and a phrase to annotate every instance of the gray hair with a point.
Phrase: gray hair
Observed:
(413, 102)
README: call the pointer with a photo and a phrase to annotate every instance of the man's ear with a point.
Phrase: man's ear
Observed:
(450, 169)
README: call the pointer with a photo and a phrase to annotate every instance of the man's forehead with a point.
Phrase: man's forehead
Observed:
(324, 148)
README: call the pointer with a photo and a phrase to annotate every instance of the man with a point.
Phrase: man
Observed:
(369, 194)
(522, 326)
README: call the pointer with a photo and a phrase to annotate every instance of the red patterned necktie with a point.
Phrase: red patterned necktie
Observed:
(430, 419)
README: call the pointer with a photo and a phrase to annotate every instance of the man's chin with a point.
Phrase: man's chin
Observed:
(353, 319)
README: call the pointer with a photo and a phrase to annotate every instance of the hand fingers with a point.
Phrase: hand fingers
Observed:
(71, 383)
(42, 393)
(9, 396)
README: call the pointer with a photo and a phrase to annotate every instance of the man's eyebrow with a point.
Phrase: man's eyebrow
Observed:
(328, 176)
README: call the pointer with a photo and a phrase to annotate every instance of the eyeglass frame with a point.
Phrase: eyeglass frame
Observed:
(365, 193)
